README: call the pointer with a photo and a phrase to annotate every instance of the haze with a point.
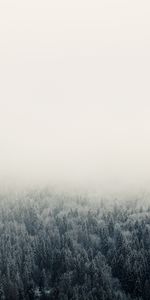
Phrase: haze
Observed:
(74, 95)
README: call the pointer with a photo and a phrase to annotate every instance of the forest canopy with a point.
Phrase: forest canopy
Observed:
(64, 247)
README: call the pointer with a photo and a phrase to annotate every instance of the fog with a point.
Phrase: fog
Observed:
(74, 95)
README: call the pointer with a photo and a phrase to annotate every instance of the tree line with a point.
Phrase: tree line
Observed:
(58, 247)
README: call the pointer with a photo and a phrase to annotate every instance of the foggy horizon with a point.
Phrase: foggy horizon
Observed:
(74, 150)
(74, 97)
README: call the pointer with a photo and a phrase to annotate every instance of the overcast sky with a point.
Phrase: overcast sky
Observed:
(75, 92)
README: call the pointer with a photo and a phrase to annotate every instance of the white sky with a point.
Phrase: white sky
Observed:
(75, 91)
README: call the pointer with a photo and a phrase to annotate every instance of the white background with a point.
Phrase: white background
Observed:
(75, 92)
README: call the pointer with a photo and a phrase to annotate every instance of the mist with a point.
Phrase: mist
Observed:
(74, 96)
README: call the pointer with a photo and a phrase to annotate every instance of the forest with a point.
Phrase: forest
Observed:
(58, 246)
